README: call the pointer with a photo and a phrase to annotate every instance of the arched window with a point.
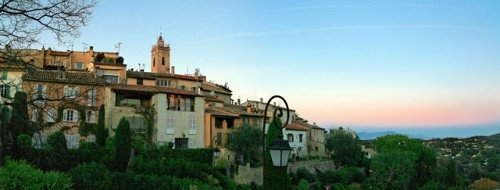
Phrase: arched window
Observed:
(162, 61)
(154, 61)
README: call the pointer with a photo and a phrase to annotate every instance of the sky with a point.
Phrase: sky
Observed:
(351, 63)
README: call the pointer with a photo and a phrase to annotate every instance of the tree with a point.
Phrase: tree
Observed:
(101, 133)
(247, 141)
(392, 170)
(451, 177)
(23, 21)
(19, 123)
(123, 145)
(346, 148)
(425, 157)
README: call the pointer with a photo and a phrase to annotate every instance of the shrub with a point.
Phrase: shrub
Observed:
(57, 141)
(123, 145)
(21, 175)
(90, 176)
(303, 185)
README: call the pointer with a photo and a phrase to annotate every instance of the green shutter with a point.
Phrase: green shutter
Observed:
(3, 75)
(7, 93)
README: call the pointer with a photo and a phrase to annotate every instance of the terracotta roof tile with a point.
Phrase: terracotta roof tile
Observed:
(64, 77)
(150, 89)
(297, 127)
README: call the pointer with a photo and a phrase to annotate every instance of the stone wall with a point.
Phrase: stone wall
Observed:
(246, 174)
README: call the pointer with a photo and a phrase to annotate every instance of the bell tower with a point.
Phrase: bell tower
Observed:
(160, 56)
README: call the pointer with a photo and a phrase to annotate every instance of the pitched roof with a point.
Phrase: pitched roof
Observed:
(150, 89)
(153, 76)
(264, 103)
(297, 127)
(219, 112)
(213, 99)
(215, 87)
(64, 77)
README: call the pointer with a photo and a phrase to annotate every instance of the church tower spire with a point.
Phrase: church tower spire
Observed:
(160, 56)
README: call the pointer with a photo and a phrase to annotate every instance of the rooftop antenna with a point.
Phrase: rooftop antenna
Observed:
(84, 46)
(139, 66)
(117, 46)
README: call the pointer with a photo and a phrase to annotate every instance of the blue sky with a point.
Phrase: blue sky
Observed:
(358, 63)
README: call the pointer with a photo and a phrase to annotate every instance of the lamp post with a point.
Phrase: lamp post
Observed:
(276, 160)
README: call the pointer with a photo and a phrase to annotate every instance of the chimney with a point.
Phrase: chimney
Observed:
(173, 70)
(261, 100)
(249, 108)
(239, 101)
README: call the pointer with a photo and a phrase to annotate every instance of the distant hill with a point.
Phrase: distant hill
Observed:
(374, 135)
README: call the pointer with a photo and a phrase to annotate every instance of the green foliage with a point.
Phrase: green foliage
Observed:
(123, 145)
(432, 185)
(90, 176)
(425, 157)
(101, 132)
(247, 141)
(303, 185)
(86, 128)
(303, 173)
(57, 141)
(20, 175)
(19, 123)
(392, 170)
(346, 148)
(346, 176)
(278, 175)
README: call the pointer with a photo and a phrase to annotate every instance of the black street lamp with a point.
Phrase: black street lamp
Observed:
(279, 151)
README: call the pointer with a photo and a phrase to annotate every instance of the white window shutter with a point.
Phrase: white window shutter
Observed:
(75, 115)
(65, 115)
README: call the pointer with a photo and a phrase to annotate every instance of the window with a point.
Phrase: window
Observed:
(162, 83)
(79, 66)
(110, 79)
(170, 125)
(35, 114)
(290, 137)
(72, 141)
(218, 123)
(230, 123)
(140, 81)
(91, 97)
(39, 93)
(192, 125)
(90, 117)
(191, 142)
(4, 90)
(39, 139)
(136, 123)
(162, 61)
(154, 62)
(181, 142)
(90, 138)
(51, 115)
(71, 92)
(300, 137)
(70, 115)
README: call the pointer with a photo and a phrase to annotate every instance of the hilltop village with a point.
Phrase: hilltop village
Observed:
(66, 89)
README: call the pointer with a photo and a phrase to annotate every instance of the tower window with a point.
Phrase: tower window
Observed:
(154, 61)
(162, 61)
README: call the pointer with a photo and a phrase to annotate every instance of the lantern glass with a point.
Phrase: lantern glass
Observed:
(280, 151)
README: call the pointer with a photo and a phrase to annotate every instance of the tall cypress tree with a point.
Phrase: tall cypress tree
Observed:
(20, 121)
(101, 132)
(123, 145)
